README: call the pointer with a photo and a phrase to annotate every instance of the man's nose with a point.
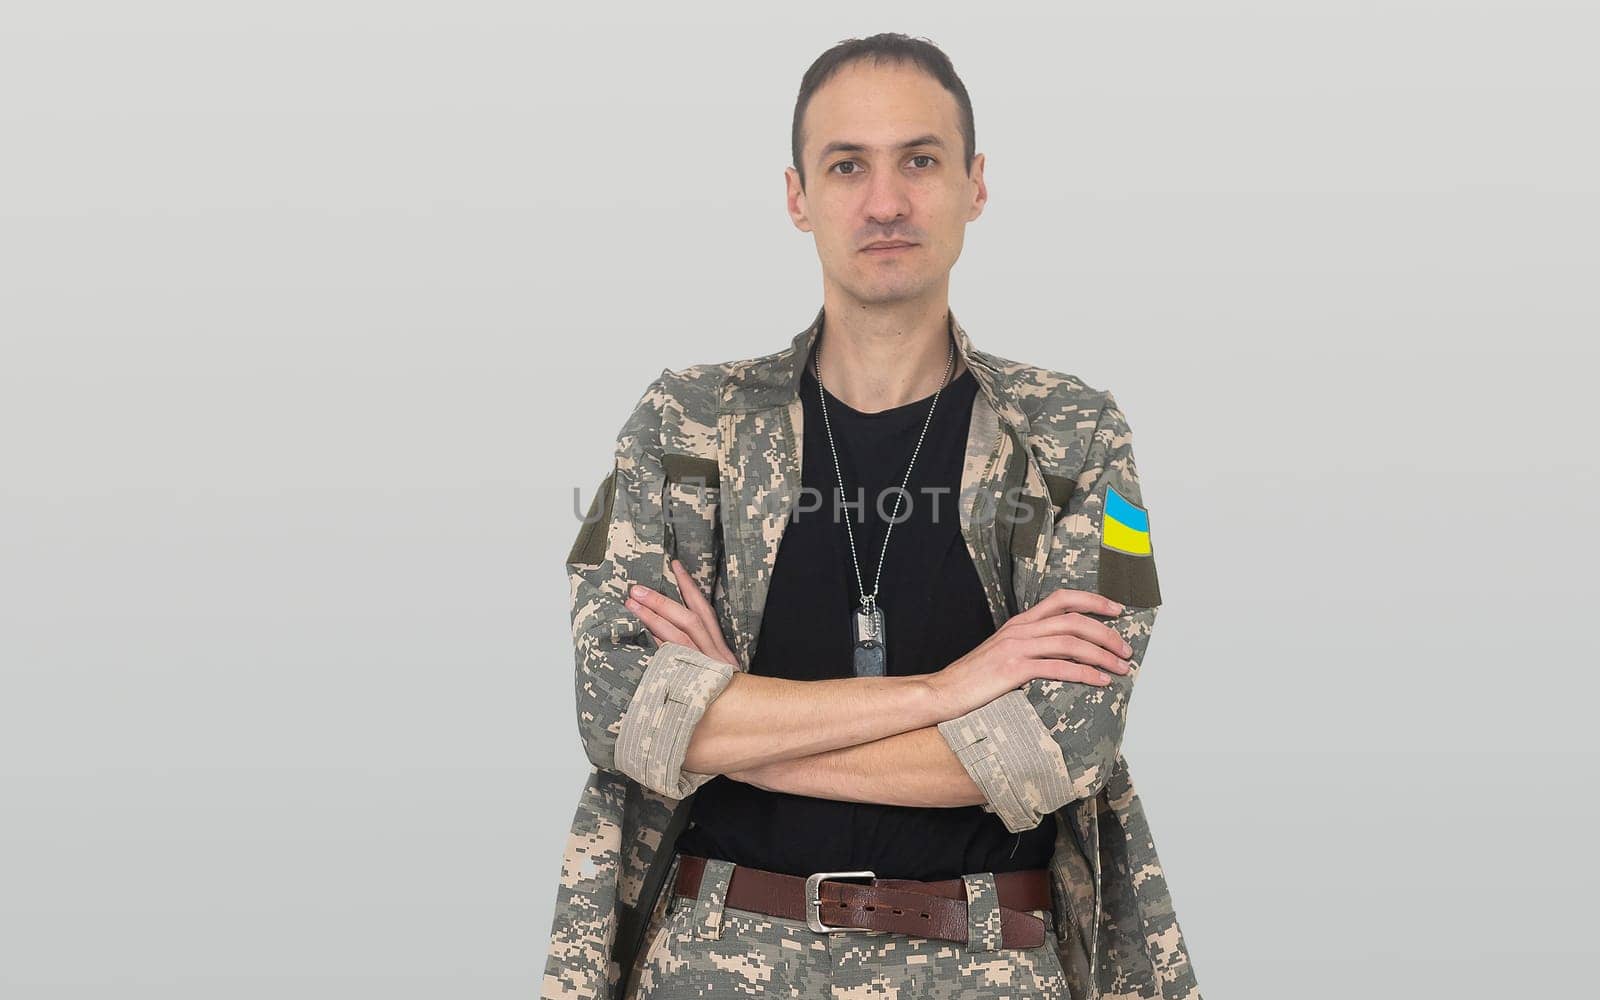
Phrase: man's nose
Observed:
(887, 197)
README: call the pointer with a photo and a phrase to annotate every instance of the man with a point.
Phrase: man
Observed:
(913, 781)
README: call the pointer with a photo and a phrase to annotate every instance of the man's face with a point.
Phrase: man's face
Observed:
(884, 162)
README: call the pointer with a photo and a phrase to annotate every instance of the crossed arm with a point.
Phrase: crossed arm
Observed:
(671, 715)
(913, 768)
(859, 739)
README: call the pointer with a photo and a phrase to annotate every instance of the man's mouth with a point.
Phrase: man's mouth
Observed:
(887, 247)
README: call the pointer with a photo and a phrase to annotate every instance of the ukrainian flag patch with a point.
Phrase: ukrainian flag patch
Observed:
(1127, 567)
(1125, 526)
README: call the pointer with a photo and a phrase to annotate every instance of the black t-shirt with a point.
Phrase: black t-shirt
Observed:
(935, 612)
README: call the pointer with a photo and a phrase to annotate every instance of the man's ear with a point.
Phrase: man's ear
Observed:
(795, 199)
(980, 197)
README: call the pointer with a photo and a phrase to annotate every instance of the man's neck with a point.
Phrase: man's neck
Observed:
(878, 357)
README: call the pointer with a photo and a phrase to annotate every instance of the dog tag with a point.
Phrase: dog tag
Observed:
(871, 655)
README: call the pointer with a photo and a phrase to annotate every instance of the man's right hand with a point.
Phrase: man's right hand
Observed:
(691, 622)
(1054, 639)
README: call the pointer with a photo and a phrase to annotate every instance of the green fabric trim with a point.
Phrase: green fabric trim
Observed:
(1060, 488)
(590, 546)
(691, 469)
(1129, 579)
(1025, 533)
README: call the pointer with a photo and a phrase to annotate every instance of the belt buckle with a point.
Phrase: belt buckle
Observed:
(814, 900)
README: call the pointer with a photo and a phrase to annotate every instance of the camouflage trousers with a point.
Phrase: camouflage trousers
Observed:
(696, 948)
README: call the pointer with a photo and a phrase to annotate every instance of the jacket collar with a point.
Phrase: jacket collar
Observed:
(773, 380)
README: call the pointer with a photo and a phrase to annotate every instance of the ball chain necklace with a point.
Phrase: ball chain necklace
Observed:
(871, 651)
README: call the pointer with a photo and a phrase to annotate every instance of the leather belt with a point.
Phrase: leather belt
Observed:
(906, 906)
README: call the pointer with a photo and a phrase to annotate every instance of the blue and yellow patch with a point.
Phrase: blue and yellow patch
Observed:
(1127, 567)
(1126, 526)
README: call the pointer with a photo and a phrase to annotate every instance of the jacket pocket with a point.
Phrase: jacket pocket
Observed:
(692, 509)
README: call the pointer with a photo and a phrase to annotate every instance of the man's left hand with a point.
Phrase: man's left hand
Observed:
(693, 624)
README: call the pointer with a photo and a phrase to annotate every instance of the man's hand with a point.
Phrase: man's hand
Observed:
(1053, 639)
(694, 624)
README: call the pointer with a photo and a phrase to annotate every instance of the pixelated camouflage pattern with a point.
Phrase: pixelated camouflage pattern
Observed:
(983, 911)
(1013, 758)
(715, 877)
(1032, 430)
(673, 694)
(1054, 743)
(586, 894)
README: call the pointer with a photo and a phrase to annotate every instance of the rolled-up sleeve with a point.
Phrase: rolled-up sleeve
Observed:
(1009, 754)
(678, 684)
(1034, 749)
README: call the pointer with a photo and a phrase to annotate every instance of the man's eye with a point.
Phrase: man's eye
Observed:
(845, 163)
(923, 156)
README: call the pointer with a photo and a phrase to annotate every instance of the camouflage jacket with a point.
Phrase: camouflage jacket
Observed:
(706, 470)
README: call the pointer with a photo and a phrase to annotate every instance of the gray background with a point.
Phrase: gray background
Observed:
(315, 314)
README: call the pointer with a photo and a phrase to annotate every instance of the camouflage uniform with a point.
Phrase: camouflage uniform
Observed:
(707, 470)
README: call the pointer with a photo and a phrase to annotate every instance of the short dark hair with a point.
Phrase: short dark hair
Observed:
(889, 47)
